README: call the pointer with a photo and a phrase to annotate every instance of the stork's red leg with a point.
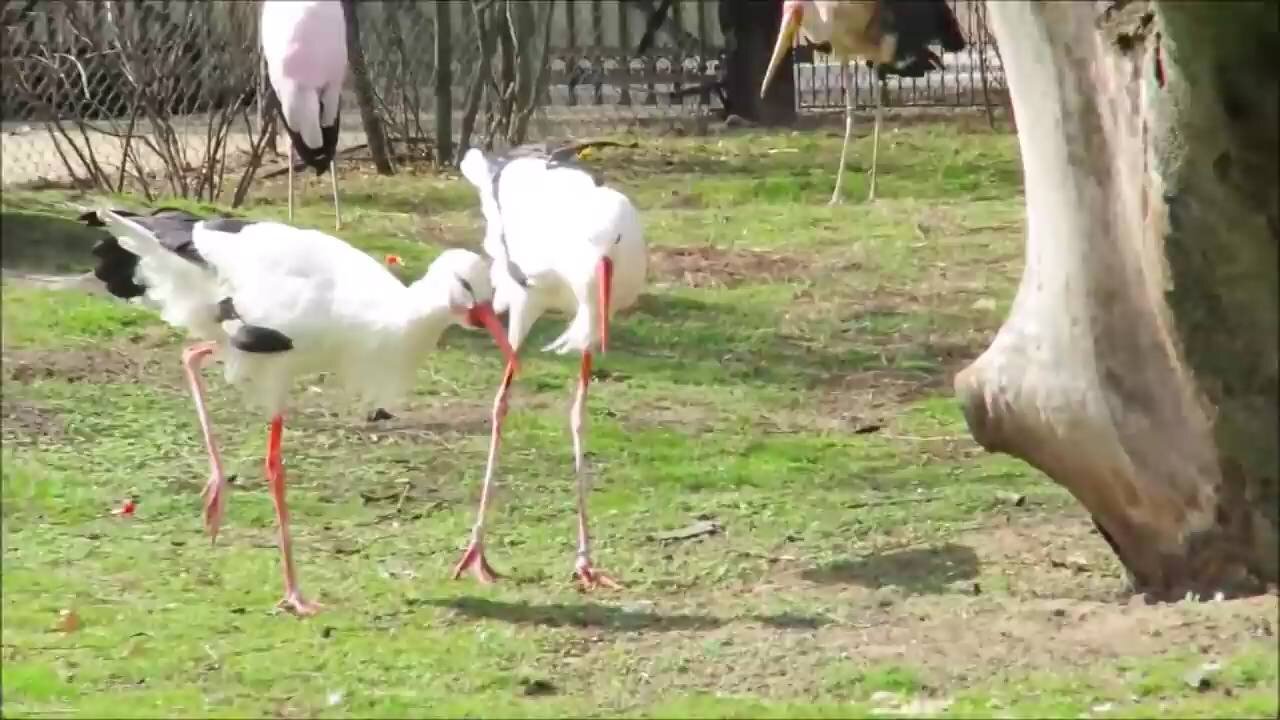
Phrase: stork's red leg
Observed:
(214, 500)
(473, 558)
(293, 600)
(588, 576)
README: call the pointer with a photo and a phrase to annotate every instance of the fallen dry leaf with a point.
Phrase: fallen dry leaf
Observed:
(698, 529)
(68, 621)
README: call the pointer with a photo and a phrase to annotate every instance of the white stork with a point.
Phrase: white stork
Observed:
(559, 241)
(305, 46)
(894, 35)
(275, 302)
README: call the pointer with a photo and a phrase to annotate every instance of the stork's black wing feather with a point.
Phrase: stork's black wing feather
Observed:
(117, 268)
(921, 23)
(318, 159)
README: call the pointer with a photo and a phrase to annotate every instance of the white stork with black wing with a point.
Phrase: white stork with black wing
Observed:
(274, 302)
(559, 240)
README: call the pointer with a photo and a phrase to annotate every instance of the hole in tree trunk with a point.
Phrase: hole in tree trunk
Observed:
(1222, 166)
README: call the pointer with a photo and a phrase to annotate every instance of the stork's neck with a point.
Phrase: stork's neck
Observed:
(426, 313)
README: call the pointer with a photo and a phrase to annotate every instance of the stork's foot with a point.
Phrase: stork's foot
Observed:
(835, 200)
(296, 604)
(473, 559)
(214, 504)
(590, 578)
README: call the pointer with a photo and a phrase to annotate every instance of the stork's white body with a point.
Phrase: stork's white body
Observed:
(580, 249)
(558, 224)
(343, 310)
(304, 44)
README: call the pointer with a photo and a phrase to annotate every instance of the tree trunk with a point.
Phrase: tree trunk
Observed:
(531, 29)
(750, 29)
(364, 92)
(1138, 366)
(444, 84)
(482, 14)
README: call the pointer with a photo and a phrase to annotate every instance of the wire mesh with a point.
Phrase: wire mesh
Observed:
(115, 94)
(171, 98)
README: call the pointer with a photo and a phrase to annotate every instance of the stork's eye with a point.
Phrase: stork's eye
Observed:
(467, 286)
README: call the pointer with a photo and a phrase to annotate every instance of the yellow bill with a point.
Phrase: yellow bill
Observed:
(786, 35)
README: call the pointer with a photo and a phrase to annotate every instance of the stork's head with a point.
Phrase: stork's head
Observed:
(461, 278)
(792, 15)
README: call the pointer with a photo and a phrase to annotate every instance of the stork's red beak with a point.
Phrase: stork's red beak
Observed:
(791, 16)
(481, 316)
(605, 288)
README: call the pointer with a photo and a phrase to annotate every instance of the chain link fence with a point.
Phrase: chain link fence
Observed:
(170, 97)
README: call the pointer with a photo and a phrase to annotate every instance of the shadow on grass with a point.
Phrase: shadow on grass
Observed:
(918, 570)
(581, 615)
(35, 242)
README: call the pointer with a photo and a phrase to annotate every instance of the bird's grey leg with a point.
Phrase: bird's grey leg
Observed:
(875, 135)
(588, 576)
(293, 600)
(848, 126)
(333, 179)
(473, 557)
(214, 500)
(290, 179)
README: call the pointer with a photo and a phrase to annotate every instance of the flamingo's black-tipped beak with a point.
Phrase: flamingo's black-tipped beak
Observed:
(605, 288)
(481, 316)
(786, 35)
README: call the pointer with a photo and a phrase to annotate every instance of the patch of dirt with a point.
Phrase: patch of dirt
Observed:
(26, 423)
(434, 419)
(1040, 594)
(115, 363)
(854, 392)
(691, 419)
(467, 235)
(424, 421)
(711, 267)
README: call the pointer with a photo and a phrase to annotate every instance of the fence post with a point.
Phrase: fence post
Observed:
(444, 84)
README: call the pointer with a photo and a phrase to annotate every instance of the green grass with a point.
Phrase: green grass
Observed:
(787, 375)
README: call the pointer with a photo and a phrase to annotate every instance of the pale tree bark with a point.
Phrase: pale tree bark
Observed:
(1138, 365)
